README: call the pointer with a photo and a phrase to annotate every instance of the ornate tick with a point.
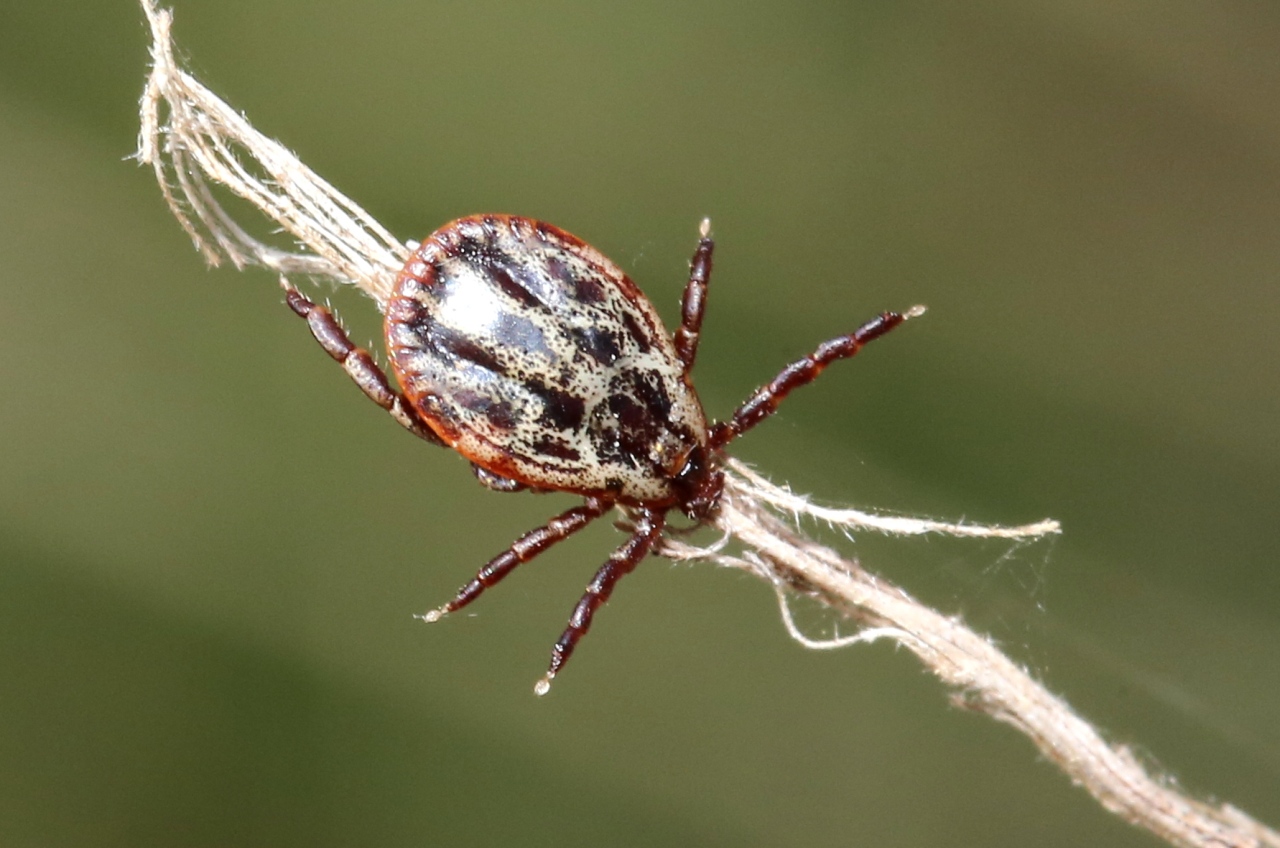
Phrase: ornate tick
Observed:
(536, 358)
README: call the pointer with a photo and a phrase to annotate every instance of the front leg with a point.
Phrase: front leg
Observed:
(356, 361)
(764, 402)
(695, 299)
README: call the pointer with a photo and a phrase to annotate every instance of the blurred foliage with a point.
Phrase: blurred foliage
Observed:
(210, 545)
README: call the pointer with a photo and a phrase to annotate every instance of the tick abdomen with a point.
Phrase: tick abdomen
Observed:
(535, 357)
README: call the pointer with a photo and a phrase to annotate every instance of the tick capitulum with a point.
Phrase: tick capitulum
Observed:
(531, 354)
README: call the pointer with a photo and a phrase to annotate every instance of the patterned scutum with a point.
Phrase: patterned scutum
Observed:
(534, 356)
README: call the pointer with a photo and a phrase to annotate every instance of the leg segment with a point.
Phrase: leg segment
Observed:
(695, 299)
(766, 399)
(525, 548)
(623, 561)
(356, 361)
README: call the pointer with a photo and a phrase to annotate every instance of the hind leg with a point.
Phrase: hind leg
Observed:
(356, 361)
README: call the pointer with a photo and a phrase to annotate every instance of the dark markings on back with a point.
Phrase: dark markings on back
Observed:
(555, 447)
(494, 410)
(599, 344)
(636, 417)
(632, 441)
(562, 410)
(491, 262)
(510, 286)
(446, 340)
(637, 332)
(653, 395)
(588, 289)
(467, 246)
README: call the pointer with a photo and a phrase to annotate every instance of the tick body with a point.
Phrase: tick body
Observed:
(535, 357)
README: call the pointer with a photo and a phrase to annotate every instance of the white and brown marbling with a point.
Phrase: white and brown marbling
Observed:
(537, 358)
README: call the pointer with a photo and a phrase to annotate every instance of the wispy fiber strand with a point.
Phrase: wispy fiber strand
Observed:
(195, 141)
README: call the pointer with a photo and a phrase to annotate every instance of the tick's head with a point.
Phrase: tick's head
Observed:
(698, 484)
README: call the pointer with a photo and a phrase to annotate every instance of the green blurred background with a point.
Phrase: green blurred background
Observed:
(211, 545)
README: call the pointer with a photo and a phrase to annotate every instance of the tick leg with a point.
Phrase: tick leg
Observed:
(356, 361)
(525, 548)
(622, 562)
(695, 299)
(766, 399)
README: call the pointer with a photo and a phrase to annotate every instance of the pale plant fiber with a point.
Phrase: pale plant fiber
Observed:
(194, 140)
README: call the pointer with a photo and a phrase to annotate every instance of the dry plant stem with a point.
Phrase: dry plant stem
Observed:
(193, 138)
(985, 679)
(782, 499)
(196, 141)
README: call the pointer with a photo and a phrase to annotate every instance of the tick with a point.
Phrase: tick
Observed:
(527, 351)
